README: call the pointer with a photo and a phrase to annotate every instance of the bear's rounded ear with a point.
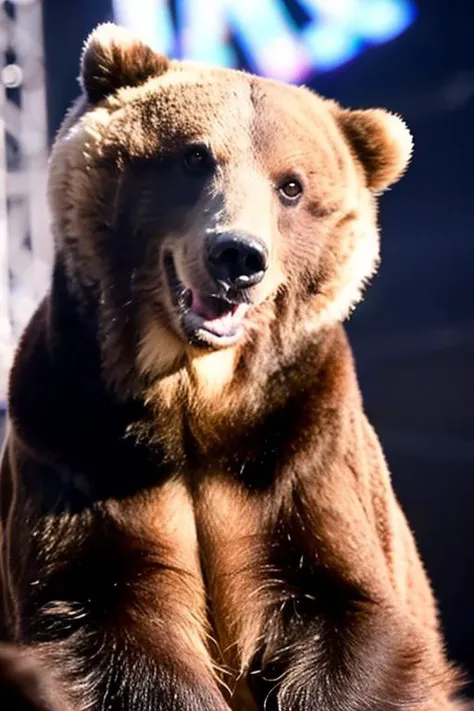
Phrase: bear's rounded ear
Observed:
(113, 58)
(381, 141)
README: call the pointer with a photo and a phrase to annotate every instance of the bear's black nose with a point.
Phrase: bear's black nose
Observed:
(237, 261)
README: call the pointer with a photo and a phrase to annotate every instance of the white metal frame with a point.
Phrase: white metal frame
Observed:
(25, 240)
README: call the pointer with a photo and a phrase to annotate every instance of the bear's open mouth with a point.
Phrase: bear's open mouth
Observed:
(206, 319)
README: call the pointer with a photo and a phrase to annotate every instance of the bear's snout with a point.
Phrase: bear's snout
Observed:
(236, 261)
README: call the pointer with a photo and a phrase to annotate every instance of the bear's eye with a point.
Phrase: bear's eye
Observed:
(197, 159)
(290, 190)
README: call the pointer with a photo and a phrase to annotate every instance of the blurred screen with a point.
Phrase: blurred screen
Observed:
(283, 40)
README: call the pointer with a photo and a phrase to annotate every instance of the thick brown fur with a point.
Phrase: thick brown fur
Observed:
(189, 527)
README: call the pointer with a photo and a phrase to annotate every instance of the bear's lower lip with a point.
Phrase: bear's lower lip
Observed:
(206, 319)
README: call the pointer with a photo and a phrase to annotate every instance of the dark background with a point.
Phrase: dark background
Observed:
(414, 335)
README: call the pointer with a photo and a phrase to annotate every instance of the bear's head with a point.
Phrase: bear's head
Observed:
(201, 207)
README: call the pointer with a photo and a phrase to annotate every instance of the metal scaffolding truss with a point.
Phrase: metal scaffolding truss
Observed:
(25, 240)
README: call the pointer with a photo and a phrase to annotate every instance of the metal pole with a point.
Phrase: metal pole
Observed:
(25, 241)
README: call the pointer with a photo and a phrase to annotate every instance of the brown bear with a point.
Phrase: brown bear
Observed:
(197, 514)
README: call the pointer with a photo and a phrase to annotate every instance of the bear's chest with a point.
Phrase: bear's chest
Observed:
(204, 551)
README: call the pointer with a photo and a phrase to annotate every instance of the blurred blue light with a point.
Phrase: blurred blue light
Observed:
(382, 20)
(330, 46)
(152, 23)
(268, 36)
(203, 38)
(273, 45)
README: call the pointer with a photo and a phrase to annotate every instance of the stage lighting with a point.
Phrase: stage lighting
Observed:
(266, 33)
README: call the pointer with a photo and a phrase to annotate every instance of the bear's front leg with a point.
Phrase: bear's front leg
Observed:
(124, 634)
(330, 657)
(341, 631)
(105, 683)
(98, 669)
(305, 603)
(111, 599)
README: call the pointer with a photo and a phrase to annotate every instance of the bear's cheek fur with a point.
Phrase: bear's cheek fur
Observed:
(89, 161)
(81, 189)
(327, 254)
(348, 261)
